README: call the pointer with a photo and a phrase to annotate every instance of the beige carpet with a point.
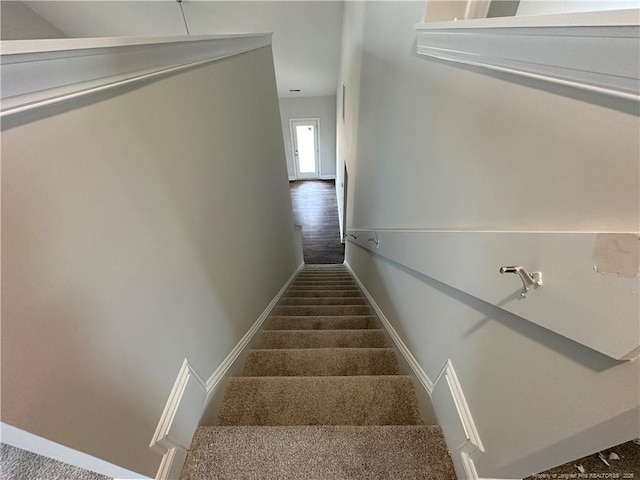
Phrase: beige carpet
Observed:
(321, 397)
(319, 453)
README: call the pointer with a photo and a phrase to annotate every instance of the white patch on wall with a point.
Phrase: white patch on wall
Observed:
(455, 419)
(617, 254)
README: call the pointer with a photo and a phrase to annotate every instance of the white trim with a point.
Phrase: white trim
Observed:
(173, 449)
(299, 176)
(420, 374)
(595, 52)
(38, 74)
(606, 18)
(162, 440)
(473, 442)
(472, 445)
(327, 177)
(464, 467)
(214, 380)
(41, 446)
(171, 464)
(469, 467)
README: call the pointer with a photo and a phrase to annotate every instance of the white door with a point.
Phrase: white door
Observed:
(304, 133)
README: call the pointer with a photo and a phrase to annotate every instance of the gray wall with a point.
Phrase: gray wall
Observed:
(19, 22)
(433, 146)
(136, 232)
(312, 107)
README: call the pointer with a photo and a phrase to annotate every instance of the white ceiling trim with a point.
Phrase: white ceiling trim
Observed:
(39, 73)
(595, 52)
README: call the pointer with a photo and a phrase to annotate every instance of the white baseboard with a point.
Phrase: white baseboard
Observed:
(447, 398)
(453, 411)
(420, 374)
(172, 463)
(41, 446)
(320, 177)
(190, 397)
(464, 467)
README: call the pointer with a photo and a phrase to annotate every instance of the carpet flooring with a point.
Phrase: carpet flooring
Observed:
(18, 464)
(315, 208)
(625, 464)
(321, 397)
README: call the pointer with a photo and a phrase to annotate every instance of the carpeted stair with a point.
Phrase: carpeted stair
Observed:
(321, 397)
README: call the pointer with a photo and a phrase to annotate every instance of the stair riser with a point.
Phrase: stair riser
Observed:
(322, 323)
(322, 293)
(325, 274)
(386, 400)
(322, 339)
(319, 284)
(324, 277)
(321, 362)
(326, 310)
(323, 301)
(315, 288)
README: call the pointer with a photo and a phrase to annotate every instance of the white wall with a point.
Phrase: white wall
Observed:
(19, 22)
(323, 108)
(548, 7)
(347, 127)
(138, 231)
(433, 146)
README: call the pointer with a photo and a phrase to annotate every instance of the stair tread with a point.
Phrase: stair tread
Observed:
(356, 338)
(348, 400)
(322, 310)
(321, 362)
(321, 322)
(316, 301)
(319, 452)
(322, 293)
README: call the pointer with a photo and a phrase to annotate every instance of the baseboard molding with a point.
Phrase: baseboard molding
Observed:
(190, 397)
(319, 177)
(420, 374)
(186, 399)
(453, 411)
(171, 464)
(41, 446)
(447, 398)
(464, 467)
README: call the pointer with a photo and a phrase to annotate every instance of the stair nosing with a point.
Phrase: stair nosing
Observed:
(332, 330)
(288, 378)
(321, 348)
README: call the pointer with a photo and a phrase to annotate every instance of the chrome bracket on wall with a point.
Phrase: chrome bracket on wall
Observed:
(529, 280)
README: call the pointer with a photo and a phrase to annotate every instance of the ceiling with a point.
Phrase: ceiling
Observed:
(306, 34)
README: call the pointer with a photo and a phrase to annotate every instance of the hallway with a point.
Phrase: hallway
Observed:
(316, 209)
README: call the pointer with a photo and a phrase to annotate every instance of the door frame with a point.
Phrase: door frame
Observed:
(293, 146)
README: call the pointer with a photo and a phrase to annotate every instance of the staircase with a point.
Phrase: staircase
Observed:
(321, 397)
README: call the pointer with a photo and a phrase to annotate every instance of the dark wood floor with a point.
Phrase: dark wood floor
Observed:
(316, 209)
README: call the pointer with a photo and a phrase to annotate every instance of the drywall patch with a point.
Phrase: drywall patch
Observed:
(617, 254)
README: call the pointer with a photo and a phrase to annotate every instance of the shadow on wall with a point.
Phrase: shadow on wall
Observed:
(574, 351)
